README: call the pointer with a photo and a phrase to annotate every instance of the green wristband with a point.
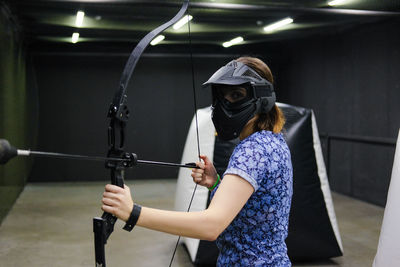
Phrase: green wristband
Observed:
(216, 183)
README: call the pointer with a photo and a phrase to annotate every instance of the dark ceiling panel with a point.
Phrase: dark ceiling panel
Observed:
(51, 23)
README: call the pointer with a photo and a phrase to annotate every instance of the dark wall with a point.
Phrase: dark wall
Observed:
(18, 108)
(75, 93)
(351, 80)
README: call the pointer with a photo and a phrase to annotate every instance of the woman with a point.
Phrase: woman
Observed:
(249, 211)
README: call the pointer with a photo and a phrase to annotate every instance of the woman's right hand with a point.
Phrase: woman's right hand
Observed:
(207, 174)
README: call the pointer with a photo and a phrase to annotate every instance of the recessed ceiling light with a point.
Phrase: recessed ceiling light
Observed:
(75, 37)
(272, 27)
(79, 18)
(234, 41)
(182, 22)
(336, 2)
(158, 39)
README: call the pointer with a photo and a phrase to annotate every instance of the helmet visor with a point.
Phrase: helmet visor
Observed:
(235, 73)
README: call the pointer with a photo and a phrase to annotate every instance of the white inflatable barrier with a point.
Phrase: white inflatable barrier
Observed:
(388, 253)
(185, 185)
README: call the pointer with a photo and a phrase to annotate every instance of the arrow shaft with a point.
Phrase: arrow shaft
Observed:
(94, 158)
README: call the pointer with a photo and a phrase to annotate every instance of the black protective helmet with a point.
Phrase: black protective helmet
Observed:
(229, 119)
(237, 73)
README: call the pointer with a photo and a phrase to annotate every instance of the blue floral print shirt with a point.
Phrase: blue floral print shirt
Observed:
(256, 237)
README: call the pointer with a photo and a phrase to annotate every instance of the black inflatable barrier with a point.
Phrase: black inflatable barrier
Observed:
(311, 229)
(311, 235)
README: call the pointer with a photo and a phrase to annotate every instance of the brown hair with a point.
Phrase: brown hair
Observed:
(274, 119)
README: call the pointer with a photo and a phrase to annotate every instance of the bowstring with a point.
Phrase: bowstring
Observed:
(196, 121)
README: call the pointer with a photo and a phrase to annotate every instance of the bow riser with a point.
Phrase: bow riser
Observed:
(119, 115)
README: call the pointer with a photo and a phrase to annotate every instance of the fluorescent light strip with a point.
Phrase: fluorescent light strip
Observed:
(279, 24)
(336, 2)
(158, 39)
(75, 37)
(182, 22)
(79, 18)
(234, 41)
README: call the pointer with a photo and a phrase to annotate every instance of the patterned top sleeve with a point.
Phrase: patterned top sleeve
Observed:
(250, 161)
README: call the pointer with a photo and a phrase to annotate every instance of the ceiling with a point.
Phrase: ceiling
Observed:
(119, 24)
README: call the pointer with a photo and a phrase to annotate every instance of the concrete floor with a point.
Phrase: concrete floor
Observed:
(51, 225)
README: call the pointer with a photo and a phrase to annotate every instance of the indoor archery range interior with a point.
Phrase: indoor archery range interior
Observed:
(69, 83)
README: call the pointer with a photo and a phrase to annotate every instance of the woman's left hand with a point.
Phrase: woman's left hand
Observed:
(117, 201)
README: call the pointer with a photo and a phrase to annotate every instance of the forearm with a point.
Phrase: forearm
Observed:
(199, 224)
(208, 224)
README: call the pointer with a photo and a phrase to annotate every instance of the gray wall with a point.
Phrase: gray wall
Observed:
(75, 93)
(351, 80)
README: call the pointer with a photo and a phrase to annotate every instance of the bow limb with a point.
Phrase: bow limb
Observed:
(118, 102)
(119, 115)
